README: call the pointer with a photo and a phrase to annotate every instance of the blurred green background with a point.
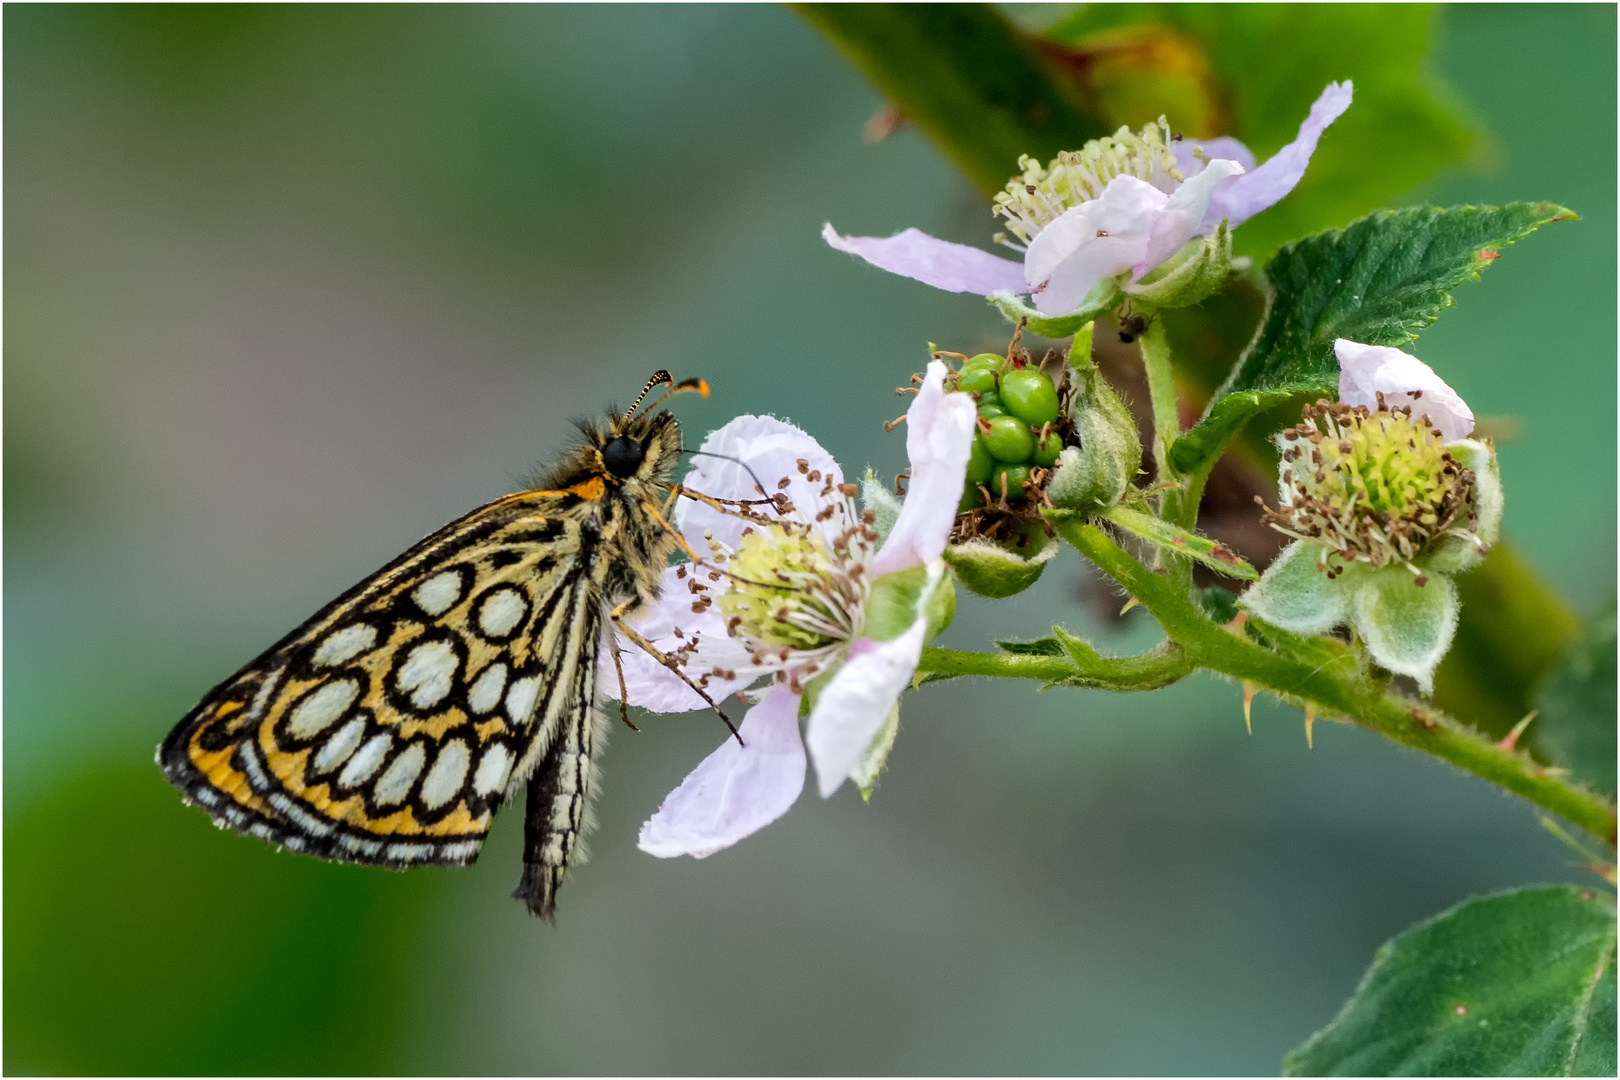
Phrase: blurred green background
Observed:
(288, 287)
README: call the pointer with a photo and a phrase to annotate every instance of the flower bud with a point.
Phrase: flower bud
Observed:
(1096, 474)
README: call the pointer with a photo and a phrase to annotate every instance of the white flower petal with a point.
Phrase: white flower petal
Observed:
(1365, 371)
(939, 438)
(1241, 198)
(1183, 215)
(854, 705)
(772, 448)
(940, 263)
(737, 790)
(1191, 162)
(650, 684)
(1106, 236)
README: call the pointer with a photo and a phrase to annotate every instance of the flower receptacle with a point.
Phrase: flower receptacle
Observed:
(1194, 274)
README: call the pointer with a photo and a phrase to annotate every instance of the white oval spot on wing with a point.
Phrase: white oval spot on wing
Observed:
(365, 762)
(395, 782)
(485, 692)
(501, 611)
(520, 700)
(427, 673)
(445, 778)
(438, 593)
(322, 707)
(336, 750)
(493, 770)
(345, 644)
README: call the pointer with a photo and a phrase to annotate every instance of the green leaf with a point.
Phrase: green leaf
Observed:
(1377, 281)
(1045, 646)
(1576, 722)
(965, 77)
(1218, 603)
(1517, 984)
(1253, 70)
(1175, 539)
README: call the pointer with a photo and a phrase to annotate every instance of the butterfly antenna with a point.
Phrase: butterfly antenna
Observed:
(660, 378)
(685, 386)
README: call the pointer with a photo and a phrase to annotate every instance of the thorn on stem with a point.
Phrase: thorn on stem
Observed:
(1248, 704)
(1511, 739)
(1310, 718)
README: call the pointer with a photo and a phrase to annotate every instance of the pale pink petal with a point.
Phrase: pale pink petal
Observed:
(772, 448)
(1192, 155)
(1098, 239)
(853, 706)
(737, 790)
(1241, 198)
(940, 263)
(1183, 215)
(939, 438)
(1365, 371)
(653, 686)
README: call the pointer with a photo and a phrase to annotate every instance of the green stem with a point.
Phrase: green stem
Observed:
(1162, 391)
(1335, 685)
(1082, 666)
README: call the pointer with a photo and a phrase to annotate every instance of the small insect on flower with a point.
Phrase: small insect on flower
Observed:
(1131, 326)
(389, 728)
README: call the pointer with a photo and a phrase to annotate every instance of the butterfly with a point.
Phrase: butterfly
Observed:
(391, 726)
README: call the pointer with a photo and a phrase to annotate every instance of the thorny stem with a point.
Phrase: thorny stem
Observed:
(1081, 666)
(1336, 686)
(1311, 673)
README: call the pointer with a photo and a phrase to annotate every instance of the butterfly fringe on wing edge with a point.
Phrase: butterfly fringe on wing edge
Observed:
(388, 729)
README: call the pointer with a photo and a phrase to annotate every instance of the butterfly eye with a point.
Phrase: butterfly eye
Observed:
(622, 456)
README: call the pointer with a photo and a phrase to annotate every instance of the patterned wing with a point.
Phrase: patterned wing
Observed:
(390, 727)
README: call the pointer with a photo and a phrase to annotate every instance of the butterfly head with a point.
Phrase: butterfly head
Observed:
(642, 444)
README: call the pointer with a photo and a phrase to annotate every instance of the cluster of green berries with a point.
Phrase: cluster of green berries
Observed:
(1017, 431)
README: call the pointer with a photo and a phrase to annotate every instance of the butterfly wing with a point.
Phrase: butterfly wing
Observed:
(390, 727)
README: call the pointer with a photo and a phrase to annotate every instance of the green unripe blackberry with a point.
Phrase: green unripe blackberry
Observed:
(1008, 439)
(980, 464)
(992, 408)
(987, 359)
(1028, 394)
(977, 380)
(1047, 450)
(972, 498)
(1014, 475)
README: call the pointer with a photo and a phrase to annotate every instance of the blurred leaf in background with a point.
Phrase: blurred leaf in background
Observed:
(1577, 708)
(231, 958)
(1251, 71)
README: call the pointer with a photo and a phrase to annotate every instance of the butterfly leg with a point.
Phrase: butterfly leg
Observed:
(617, 615)
(624, 694)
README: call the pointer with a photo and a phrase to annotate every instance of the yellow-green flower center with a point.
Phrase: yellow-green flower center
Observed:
(1373, 487)
(787, 591)
(1039, 196)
